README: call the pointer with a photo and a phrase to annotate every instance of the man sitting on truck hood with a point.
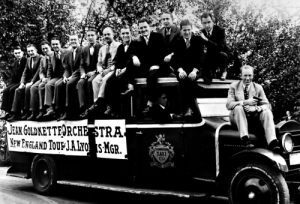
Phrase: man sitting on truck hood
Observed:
(246, 100)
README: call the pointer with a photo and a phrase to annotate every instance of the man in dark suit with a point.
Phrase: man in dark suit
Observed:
(88, 69)
(54, 73)
(217, 52)
(188, 61)
(30, 75)
(152, 51)
(159, 111)
(14, 77)
(126, 64)
(170, 33)
(35, 103)
(70, 78)
(246, 100)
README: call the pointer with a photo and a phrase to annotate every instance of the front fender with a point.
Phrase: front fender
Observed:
(264, 155)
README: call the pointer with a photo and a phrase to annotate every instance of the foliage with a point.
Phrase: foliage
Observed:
(31, 21)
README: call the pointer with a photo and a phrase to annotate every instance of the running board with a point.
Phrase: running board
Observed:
(17, 173)
(134, 190)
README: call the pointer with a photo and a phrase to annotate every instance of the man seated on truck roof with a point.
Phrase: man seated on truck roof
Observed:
(247, 100)
(188, 56)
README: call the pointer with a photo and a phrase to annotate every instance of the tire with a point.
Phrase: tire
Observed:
(44, 174)
(258, 183)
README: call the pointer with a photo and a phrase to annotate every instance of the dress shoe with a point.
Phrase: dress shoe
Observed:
(39, 117)
(85, 114)
(246, 141)
(50, 115)
(25, 116)
(223, 76)
(64, 116)
(274, 146)
(13, 117)
(5, 116)
(32, 117)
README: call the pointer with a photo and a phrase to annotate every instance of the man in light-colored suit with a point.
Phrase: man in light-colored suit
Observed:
(105, 69)
(247, 99)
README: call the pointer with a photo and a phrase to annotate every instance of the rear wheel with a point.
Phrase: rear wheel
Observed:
(44, 174)
(257, 183)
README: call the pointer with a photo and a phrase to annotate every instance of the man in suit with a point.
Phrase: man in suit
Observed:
(14, 77)
(188, 61)
(35, 103)
(70, 79)
(30, 75)
(105, 69)
(170, 33)
(88, 69)
(243, 105)
(54, 74)
(126, 64)
(152, 51)
(217, 52)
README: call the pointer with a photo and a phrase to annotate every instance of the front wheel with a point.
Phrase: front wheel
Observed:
(44, 174)
(258, 183)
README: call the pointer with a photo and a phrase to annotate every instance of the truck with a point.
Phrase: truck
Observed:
(135, 154)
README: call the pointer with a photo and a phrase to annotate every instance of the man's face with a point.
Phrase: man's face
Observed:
(144, 29)
(166, 20)
(91, 36)
(46, 49)
(74, 41)
(125, 35)
(163, 100)
(186, 31)
(108, 35)
(56, 46)
(32, 52)
(247, 76)
(207, 23)
(18, 53)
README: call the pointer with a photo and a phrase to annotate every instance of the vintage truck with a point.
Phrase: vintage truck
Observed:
(138, 155)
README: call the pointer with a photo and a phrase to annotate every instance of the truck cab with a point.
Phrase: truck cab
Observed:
(137, 154)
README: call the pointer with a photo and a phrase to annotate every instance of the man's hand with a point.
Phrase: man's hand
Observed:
(154, 67)
(22, 86)
(83, 76)
(249, 109)
(182, 73)
(136, 61)
(29, 84)
(203, 36)
(105, 71)
(91, 73)
(168, 58)
(250, 102)
(65, 80)
(193, 74)
(45, 79)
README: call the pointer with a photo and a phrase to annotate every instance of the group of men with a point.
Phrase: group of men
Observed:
(75, 83)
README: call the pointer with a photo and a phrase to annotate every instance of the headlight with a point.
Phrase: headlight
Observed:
(287, 142)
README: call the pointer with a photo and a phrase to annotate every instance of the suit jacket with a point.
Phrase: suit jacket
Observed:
(31, 74)
(89, 63)
(72, 67)
(236, 94)
(124, 59)
(188, 58)
(171, 39)
(152, 53)
(56, 68)
(160, 115)
(44, 65)
(16, 71)
(216, 41)
(102, 52)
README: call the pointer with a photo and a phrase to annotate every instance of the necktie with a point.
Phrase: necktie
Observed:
(74, 54)
(92, 50)
(187, 42)
(31, 63)
(107, 56)
(146, 40)
(246, 92)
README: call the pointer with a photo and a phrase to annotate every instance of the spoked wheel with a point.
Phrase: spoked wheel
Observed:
(43, 173)
(257, 183)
